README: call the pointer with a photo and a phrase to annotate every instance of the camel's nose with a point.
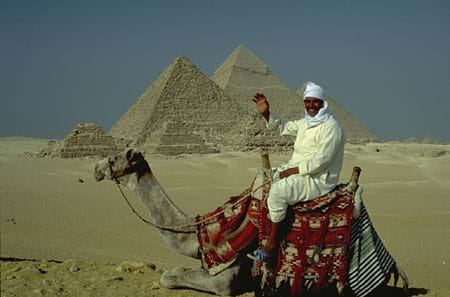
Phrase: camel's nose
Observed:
(98, 174)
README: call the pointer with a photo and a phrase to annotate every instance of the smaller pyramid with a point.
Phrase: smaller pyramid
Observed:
(183, 111)
(354, 130)
(87, 140)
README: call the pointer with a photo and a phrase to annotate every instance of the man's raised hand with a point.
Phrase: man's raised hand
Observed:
(262, 105)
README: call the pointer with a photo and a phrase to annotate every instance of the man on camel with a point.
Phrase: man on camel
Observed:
(316, 162)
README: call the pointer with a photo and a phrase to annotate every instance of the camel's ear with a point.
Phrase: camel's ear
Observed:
(133, 155)
(129, 154)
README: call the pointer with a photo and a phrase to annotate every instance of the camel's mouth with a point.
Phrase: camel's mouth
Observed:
(102, 170)
(99, 176)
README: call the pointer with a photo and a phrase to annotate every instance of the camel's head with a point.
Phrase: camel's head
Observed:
(121, 165)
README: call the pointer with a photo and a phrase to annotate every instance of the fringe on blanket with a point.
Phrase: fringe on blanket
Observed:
(370, 261)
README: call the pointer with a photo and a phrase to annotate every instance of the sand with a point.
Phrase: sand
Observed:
(80, 234)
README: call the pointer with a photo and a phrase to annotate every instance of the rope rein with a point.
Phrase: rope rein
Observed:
(177, 228)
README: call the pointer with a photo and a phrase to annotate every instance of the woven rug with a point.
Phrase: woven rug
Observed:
(322, 247)
(227, 231)
(313, 254)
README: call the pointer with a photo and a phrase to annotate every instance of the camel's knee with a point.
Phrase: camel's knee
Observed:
(168, 280)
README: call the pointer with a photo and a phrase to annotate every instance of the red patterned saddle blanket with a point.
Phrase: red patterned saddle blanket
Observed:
(226, 231)
(313, 251)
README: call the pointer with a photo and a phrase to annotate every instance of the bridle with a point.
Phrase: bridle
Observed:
(140, 166)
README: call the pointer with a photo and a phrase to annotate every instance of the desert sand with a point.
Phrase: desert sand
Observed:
(82, 240)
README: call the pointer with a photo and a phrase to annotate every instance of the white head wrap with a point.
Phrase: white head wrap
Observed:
(316, 91)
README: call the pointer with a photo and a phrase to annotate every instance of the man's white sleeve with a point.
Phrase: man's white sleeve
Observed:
(328, 148)
(285, 128)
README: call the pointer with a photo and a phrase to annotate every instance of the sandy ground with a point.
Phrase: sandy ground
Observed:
(88, 243)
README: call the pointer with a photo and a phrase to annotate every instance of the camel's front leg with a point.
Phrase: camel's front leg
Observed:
(228, 282)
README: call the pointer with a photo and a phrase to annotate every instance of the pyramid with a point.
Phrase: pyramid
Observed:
(354, 130)
(242, 75)
(183, 111)
(88, 139)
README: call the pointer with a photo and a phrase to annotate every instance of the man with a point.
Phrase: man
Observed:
(316, 162)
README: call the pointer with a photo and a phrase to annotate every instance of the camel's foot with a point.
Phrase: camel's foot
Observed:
(397, 271)
(168, 280)
(199, 279)
(171, 279)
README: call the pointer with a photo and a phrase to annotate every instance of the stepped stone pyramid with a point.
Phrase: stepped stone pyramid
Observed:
(242, 75)
(354, 130)
(88, 139)
(183, 111)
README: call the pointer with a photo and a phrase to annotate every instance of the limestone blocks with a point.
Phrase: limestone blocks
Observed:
(88, 139)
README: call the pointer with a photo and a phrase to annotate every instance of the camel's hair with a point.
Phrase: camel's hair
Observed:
(238, 278)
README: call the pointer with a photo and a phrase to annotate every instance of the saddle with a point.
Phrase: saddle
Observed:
(313, 251)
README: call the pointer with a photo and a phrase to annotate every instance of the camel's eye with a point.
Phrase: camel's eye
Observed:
(111, 161)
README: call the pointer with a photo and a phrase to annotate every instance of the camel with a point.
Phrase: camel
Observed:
(130, 169)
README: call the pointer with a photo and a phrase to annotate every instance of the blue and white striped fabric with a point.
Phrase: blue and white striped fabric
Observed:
(370, 261)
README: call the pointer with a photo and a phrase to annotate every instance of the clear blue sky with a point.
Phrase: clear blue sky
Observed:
(65, 62)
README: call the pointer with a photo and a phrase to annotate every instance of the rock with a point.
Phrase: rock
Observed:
(74, 268)
(40, 292)
(115, 278)
(121, 268)
(11, 221)
(151, 266)
(30, 271)
(131, 267)
(155, 286)
(10, 277)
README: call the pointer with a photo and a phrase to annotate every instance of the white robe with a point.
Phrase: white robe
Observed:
(318, 154)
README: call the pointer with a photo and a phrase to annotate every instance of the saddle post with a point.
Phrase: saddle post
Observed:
(353, 183)
(265, 158)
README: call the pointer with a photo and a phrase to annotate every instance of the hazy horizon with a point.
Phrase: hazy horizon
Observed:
(63, 63)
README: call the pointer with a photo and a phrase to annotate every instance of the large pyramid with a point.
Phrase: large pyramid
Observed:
(183, 111)
(354, 130)
(243, 74)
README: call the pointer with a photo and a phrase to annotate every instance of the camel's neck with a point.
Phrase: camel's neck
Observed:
(162, 209)
(164, 212)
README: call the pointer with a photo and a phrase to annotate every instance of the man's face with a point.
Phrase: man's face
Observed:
(313, 105)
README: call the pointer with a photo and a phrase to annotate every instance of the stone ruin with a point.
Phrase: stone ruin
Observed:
(88, 140)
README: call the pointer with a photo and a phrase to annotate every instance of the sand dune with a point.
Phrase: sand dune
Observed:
(52, 209)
